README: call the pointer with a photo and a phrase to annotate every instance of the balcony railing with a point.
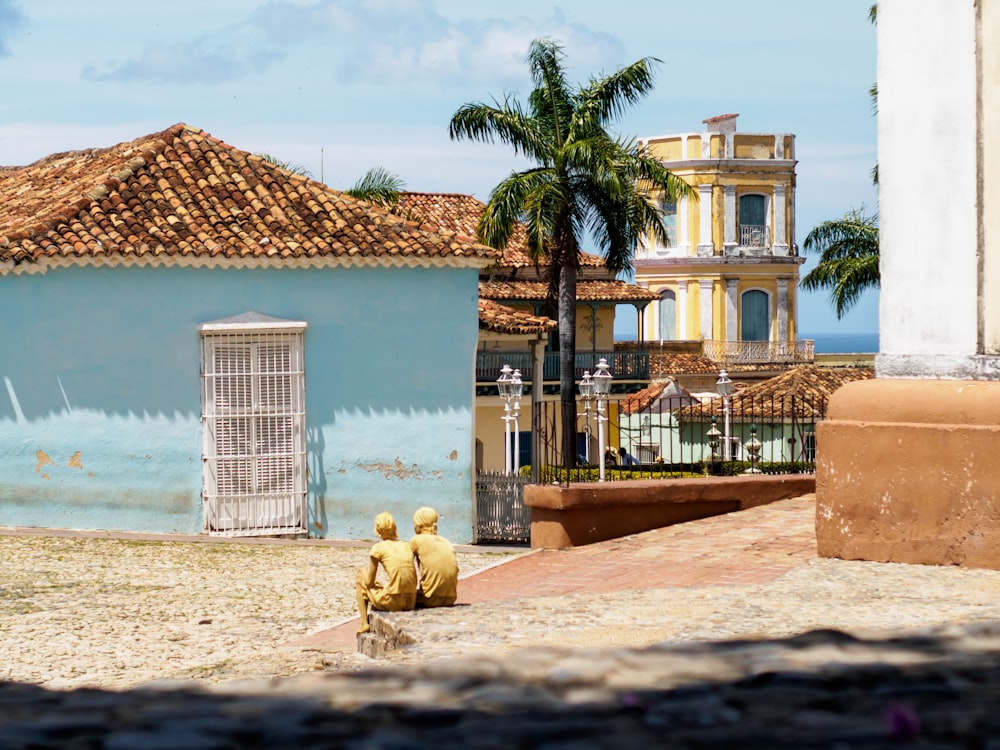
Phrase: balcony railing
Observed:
(760, 352)
(624, 365)
(754, 235)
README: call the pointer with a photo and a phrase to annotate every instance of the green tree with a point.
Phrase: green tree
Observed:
(378, 186)
(849, 256)
(286, 165)
(583, 179)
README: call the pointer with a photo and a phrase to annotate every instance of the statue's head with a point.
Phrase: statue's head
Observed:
(425, 521)
(385, 526)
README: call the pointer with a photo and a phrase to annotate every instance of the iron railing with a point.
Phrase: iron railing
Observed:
(754, 235)
(760, 352)
(501, 515)
(676, 435)
(625, 365)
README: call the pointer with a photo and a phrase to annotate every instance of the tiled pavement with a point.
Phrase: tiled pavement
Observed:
(749, 547)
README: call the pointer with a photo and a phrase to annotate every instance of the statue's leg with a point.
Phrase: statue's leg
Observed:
(361, 592)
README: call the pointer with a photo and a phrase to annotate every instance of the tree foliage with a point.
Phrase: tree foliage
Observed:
(583, 180)
(849, 259)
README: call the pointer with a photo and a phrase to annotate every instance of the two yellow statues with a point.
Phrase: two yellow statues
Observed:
(423, 573)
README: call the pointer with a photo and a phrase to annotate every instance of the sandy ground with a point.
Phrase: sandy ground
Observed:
(118, 613)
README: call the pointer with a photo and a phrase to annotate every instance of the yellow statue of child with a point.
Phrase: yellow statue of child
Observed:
(436, 561)
(400, 591)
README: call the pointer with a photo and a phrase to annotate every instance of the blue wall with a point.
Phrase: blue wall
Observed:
(100, 395)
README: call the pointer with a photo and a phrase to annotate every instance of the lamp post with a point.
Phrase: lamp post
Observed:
(517, 389)
(713, 441)
(602, 387)
(725, 388)
(510, 388)
(753, 446)
(587, 394)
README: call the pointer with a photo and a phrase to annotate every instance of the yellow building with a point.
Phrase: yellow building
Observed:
(729, 274)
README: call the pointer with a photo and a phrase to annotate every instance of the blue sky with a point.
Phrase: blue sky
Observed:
(339, 86)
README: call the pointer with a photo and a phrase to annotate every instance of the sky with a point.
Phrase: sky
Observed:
(340, 86)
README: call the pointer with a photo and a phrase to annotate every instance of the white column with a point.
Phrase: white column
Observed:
(779, 243)
(928, 107)
(783, 310)
(729, 217)
(683, 227)
(779, 146)
(706, 309)
(706, 248)
(731, 308)
(682, 309)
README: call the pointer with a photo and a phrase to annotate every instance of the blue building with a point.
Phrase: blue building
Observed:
(196, 340)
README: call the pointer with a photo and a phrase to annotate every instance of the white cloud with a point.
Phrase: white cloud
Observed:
(363, 42)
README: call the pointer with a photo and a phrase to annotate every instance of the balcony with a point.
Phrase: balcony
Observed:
(624, 365)
(760, 352)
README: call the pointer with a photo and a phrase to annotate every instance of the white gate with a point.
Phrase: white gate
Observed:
(253, 416)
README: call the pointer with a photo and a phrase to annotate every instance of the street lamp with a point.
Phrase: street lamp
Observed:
(510, 388)
(753, 446)
(587, 394)
(713, 441)
(602, 387)
(725, 388)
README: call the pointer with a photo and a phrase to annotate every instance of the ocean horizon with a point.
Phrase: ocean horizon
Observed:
(843, 343)
(826, 343)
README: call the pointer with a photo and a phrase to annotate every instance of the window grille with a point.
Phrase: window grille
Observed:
(253, 413)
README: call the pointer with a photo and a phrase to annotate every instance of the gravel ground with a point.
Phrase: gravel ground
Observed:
(115, 613)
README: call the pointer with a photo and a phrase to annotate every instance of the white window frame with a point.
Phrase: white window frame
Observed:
(254, 470)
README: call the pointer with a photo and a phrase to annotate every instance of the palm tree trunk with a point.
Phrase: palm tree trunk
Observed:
(567, 361)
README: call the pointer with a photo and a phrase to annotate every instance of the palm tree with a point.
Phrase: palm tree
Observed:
(378, 186)
(849, 256)
(286, 165)
(583, 180)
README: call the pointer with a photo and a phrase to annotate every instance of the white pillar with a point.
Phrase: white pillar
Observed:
(729, 217)
(706, 248)
(683, 227)
(783, 331)
(929, 237)
(732, 333)
(682, 309)
(706, 309)
(779, 242)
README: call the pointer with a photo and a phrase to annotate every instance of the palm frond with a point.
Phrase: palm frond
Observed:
(379, 186)
(849, 259)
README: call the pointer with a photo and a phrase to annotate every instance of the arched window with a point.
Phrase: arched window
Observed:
(753, 220)
(755, 316)
(668, 315)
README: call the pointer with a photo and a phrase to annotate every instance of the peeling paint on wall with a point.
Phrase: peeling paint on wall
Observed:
(74, 461)
(43, 460)
(453, 455)
(395, 470)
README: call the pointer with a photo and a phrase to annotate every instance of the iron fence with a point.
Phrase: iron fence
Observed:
(681, 435)
(501, 516)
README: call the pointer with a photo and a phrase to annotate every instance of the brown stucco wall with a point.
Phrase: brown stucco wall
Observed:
(575, 514)
(909, 471)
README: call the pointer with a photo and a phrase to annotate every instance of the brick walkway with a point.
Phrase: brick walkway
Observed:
(748, 547)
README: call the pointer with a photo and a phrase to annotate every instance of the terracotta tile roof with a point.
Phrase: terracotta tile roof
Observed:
(657, 398)
(183, 195)
(460, 214)
(667, 364)
(502, 319)
(586, 291)
(803, 390)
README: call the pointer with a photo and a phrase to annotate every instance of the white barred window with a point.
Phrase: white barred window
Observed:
(253, 415)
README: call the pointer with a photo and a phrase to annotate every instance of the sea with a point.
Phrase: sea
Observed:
(843, 343)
